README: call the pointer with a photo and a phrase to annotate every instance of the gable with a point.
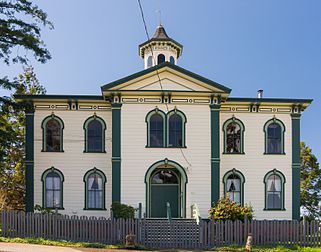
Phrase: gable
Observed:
(172, 78)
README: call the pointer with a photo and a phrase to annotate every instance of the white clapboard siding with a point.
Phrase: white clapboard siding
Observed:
(73, 163)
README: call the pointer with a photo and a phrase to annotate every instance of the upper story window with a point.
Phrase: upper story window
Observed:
(52, 127)
(160, 58)
(156, 128)
(149, 61)
(94, 134)
(176, 128)
(233, 136)
(52, 180)
(234, 186)
(274, 190)
(95, 181)
(171, 60)
(274, 136)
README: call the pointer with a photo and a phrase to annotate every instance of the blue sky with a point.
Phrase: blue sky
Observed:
(246, 45)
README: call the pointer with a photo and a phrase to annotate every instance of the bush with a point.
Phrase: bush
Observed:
(226, 209)
(122, 211)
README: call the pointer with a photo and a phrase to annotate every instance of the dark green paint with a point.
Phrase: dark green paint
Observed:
(160, 195)
(215, 152)
(242, 178)
(43, 126)
(88, 120)
(265, 127)
(116, 152)
(296, 166)
(29, 200)
(283, 180)
(95, 170)
(43, 179)
(242, 127)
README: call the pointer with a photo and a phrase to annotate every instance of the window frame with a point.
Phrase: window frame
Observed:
(44, 138)
(85, 127)
(184, 121)
(242, 128)
(283, 181)
(44, 191)
(265, 129)
(147, 120)
(149, 60)
(242, 181)
(158, 57)
(104, 181)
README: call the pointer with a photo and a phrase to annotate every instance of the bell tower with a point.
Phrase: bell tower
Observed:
(160, 48)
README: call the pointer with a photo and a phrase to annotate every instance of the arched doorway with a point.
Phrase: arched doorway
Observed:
(165, 183)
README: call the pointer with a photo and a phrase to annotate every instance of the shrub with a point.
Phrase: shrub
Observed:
(226, 209)
(122, 211)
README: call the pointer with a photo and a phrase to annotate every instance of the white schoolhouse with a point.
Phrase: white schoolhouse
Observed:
(164, 134)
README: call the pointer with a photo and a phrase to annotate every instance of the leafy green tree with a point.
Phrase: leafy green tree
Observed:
(12, 121)
(20, 37)
(310, 183)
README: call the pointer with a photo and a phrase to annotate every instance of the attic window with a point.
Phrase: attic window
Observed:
(160, 58)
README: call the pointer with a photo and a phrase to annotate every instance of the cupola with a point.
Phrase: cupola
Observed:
(162, 47)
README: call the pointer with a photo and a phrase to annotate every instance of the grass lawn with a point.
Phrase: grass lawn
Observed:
(267, 249)
(63, 243)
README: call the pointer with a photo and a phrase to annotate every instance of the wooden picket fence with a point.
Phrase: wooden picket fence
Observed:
(160, 233)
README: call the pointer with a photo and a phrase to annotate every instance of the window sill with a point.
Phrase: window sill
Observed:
(276, 154)
(233, 153)
(95, 209)
(94, 152)
(165, 147)
(280, 209)
(52, 208)
(52, 151)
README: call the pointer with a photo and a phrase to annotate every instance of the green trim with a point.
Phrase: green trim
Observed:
(272, 100)
(113, 84)
(184, 121)
(85, 179)
(29, 158)
(85, 127)
(283, 181)
(242, 178)
(43, 126)
(168, 164)
(215, 152)
(242, 128)
(147, 120)
(60, 97)
(43, 179)
(116, 152)
(296, 166)
(265, 128)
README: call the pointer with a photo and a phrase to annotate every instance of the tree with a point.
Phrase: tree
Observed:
(20, 29)
(310, 183)
(12, 119)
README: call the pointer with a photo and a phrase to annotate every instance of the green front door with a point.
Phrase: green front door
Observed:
(165, 187)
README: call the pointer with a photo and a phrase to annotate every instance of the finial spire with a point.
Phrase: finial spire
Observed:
(160, 16)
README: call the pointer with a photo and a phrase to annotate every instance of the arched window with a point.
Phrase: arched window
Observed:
(160, 58)
(94, 134)
(274, 136)
(234, 186)
(233, 136)
(52, 128)
(149, 61)
(155, 120)
(171, 60)
(274, 190)
(176, 128)
(95, 181)
(52, 180)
